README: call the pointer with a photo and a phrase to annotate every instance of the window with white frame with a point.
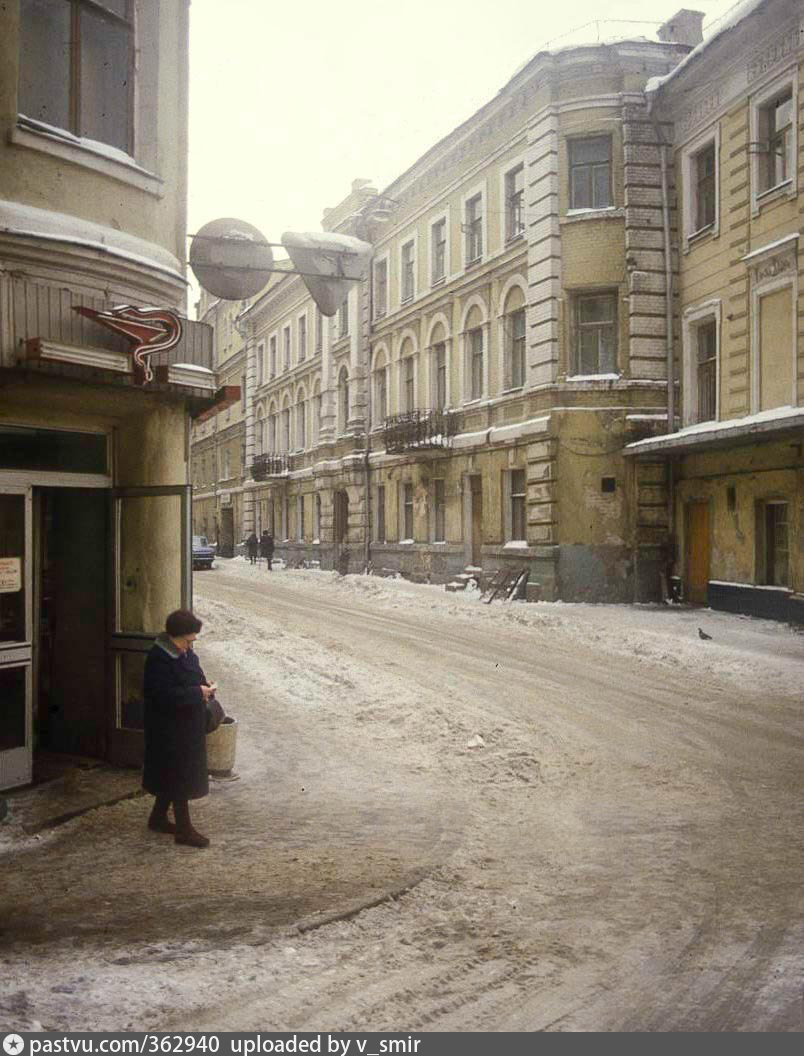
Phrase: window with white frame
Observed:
(272, 357)
(260, 362)
(473, 228)
(407, 274)
(301, 424)
(775, 141)
(439, 355)
(286, 348)
(439, 511)
(705, 339)
(77, 67)
(302, 322)
(408, 384)
(514, 202)
(590, 172)
(704, 198)
(438, 251)
(380, 288)
(474, 341)
(518, 528)
(514, 339)
(595, 339)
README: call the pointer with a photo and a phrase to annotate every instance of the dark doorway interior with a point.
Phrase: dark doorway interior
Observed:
(72, 534)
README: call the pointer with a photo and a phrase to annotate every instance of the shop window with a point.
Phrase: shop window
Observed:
(773, 544)
(77, 67)
(52, 450)
(439, 511)
(595, 344)
(590, 173)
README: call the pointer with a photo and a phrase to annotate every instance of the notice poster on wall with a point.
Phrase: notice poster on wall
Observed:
(10, 574)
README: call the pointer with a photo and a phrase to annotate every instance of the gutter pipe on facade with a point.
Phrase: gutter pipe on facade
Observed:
(668, 294)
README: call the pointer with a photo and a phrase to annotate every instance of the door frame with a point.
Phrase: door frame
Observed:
(124, 746)
(707, 504)
(16, 764)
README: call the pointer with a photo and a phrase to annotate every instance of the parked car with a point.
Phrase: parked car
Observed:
(203, 553)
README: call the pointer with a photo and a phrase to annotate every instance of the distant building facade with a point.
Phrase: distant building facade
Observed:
(734, 112)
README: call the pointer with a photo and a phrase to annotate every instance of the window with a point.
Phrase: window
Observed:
(77, 68)
(316, 416)
(514, 202)
(595, 334)
(440, 368)
(408, 279)
(286, 348)
(380, 394)
(272, 372)
(438, 242)
(775, 141)
(590, 173)
(407, 511)
(773, 544)
(343, 399)
(380, 288)
(242, 392)
(286, 428)
(518, 529)
(272, 432)
(476, 363)
(319, 330)
(515, 349)
(706, 351)
(473, 228)
(439, 510)
(704, 164)
(408, 382)
(260, 362)
(227, 463)
(302, 337)
(381, 513)
(301, 425)
(343, 318)
(300, 518)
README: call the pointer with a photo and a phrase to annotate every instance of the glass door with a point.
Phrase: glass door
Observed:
(16, 710)
(151, 576)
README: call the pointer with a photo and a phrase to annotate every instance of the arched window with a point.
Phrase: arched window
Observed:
(272, 428)
(316, 411)
(407, 377)
(438, 367)
(259, 432)
(514, 339)
(286, 428)
(301, 420)
(474, 355)
(343, 399)
(380, 390)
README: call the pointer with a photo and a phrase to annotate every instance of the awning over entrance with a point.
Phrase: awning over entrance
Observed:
(766, 425)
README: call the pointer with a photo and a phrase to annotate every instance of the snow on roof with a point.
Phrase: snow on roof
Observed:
(732, 18)
(762, 421)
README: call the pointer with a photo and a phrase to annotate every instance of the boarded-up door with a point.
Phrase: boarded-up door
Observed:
(776, 349)
(697, 551)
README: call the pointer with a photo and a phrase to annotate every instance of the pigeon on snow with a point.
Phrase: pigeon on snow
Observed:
(704, 636)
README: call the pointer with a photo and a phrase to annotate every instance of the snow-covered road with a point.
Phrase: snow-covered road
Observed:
(605, 808)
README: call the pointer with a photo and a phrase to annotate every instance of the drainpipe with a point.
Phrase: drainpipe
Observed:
(668, 288)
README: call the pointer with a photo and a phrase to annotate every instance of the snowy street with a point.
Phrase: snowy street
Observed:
(589, 818)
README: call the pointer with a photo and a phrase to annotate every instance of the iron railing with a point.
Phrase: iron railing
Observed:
(265, 466)
(419, 429)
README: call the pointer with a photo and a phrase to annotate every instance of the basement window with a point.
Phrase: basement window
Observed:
(608, 485)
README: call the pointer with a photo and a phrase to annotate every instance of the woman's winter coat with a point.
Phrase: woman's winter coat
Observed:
(175, 723)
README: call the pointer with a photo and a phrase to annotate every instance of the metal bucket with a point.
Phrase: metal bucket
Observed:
(221, 746)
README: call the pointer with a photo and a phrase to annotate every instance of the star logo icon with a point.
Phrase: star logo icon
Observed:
(13, 1044)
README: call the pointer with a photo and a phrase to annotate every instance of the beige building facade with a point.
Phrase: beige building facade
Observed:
(734, 112)
(94, 496)
(469, 404)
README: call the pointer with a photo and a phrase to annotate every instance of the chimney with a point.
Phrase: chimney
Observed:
(685, 27)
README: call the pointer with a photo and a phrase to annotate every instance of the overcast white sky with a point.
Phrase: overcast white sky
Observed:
(289, 102)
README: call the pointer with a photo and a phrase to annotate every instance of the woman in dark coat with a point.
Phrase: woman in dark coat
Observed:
(252, 546)
(176, 693)
(267, 547)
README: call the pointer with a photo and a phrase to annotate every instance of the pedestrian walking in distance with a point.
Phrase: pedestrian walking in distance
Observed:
(251, 548)
(267, 548)
(176, 692)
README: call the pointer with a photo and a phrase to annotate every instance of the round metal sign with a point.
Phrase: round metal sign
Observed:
(231, 259)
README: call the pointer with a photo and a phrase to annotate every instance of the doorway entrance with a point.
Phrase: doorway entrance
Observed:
(476, 493)
(698, 551)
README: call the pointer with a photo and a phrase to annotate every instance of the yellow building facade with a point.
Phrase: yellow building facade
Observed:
(734, 112)
(94, 497)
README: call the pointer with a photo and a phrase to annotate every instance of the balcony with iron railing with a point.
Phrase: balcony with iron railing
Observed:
(268, 466)
(419, 430)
